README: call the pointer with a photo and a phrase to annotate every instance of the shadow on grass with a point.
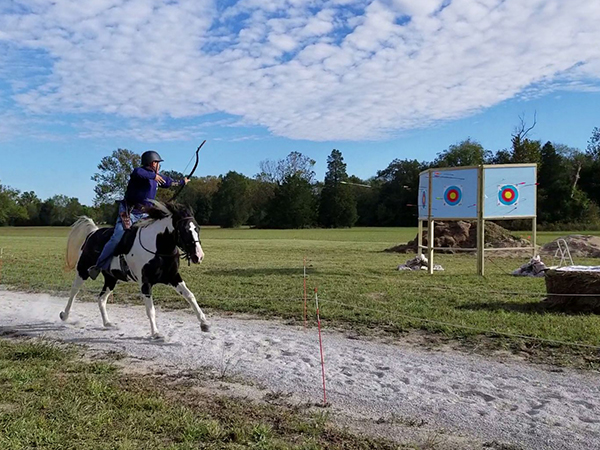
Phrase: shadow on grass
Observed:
(251, 272)
(525, 308)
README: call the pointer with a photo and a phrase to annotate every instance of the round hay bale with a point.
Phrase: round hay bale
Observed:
(573, 290)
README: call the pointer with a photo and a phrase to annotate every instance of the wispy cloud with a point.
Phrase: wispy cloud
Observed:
(304, 69)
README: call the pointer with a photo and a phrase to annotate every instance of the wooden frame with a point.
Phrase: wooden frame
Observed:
(481, 219)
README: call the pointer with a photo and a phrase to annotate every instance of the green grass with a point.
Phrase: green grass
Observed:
(52, 400)
(260, 271)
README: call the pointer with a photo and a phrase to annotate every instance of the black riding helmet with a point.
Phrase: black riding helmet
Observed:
(149, 157)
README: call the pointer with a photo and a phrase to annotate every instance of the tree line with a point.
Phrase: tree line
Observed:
(285, 193)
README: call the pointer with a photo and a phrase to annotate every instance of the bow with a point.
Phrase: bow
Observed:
(191, 173)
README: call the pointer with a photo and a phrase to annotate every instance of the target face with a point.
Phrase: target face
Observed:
(453, 195)
(508, 195)
(424, 200)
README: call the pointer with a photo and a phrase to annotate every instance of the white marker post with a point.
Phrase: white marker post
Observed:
(321, 347)
(305, 308)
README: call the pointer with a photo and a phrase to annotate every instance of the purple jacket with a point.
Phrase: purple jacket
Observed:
(142, 187)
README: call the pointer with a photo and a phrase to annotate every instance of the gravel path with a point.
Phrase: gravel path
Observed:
(511, 402)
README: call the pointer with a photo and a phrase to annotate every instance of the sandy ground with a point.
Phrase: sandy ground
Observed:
(404, 391)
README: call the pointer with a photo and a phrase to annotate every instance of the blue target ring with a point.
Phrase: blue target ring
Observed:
(453, 195)
(508, 195)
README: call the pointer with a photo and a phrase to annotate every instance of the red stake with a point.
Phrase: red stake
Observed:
(321, 346)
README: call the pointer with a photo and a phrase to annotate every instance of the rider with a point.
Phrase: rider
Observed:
(141, 189)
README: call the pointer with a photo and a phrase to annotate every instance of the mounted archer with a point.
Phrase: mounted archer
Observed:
(141, 190)
(149, 252)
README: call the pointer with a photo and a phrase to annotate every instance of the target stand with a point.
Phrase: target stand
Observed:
(477, 193)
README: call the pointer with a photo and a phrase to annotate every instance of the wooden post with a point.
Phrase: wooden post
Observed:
(420, 239)
(430, 237)
(481, 221)
(534, 235)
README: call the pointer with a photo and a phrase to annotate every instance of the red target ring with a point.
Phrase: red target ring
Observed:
(508, 195)
(453, 195)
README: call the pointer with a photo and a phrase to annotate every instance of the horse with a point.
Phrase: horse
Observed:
(148, 254)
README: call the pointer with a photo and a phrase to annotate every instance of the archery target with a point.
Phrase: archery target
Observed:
(452, 195)
(508, 195)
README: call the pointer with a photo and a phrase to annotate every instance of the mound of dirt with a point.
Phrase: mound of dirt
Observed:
(583, 246)
(463, 234)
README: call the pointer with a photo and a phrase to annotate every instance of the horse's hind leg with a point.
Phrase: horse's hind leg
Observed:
(183, 290)
(109, 286)
(150, 311)
(75, 287)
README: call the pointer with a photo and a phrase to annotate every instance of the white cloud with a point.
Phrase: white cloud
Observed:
(305, 69)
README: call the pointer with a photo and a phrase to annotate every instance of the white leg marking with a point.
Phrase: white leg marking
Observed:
(151, 313)
(77, 283)
(183, 290)
(194, 231)
(102, 305)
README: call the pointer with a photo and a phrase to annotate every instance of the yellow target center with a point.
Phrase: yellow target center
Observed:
(508, 195)
(452, 195)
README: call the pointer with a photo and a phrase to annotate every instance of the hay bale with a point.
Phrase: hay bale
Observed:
(566, 285)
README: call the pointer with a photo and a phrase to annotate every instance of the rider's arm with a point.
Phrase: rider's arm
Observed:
(141, 172)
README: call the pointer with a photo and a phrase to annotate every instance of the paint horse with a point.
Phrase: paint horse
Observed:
(148, 254)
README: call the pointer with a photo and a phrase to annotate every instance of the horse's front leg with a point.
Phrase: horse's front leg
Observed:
(150, 311)
(183, 290)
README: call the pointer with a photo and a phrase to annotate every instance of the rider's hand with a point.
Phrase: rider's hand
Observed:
(159, 179)
(186, 180)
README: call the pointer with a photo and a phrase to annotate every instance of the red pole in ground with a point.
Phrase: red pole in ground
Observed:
(305, 293)
(321, 346)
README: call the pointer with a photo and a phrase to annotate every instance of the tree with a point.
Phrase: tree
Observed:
(593, 147)
(524, 150)
(367, 195)
(294, 164)
(10, 211)
(399, 189)
(464, 153)
(200, 195)
(231, 203)
(293, 204)
(32, 205)
(261, 193)
(111, 181)
(337, 207)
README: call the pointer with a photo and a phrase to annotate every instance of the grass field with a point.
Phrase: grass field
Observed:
(260, 271)
(51, 399)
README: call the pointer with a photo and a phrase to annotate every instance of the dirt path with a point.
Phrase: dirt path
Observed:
(468, 399)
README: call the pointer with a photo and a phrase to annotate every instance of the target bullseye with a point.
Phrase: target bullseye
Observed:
(453, 195)
(508, 195)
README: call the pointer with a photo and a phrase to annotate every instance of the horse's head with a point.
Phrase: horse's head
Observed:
(187, 232)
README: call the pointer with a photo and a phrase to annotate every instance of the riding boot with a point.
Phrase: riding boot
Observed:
(94, 271)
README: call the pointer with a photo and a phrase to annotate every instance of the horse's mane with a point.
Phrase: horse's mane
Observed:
(159, 211)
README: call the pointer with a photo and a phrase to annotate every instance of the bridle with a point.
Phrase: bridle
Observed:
(184, 254)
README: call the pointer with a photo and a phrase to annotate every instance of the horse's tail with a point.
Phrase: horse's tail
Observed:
(79, 233)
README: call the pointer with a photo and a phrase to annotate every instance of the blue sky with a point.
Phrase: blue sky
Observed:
(377, 80)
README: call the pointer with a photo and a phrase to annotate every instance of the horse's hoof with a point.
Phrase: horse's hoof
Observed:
(63, 316)
(157, 337)
(205, 327)
(109, 325)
